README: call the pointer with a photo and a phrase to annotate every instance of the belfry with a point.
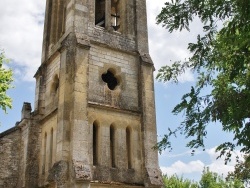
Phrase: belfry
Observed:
(93, 123)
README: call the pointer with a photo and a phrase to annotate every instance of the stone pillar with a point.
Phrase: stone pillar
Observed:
(153, 176)
(141, 27)
(81, 17)
(80, 130)
(40, 90)
(108, 15)
(65, 105)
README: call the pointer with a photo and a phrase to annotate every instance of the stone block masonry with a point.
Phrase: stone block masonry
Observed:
(10, 147)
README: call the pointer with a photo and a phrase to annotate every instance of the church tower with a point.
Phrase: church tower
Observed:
(95, 96)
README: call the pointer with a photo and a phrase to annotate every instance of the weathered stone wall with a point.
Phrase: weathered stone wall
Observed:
(32, 158)
(153, 176)
(112, 39)
(52, 82)
(47, 153)
(9, 158)
(23, 155)
(120, 120)
(125, 69)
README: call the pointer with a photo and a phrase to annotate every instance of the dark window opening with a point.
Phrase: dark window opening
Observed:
(110, 79)
(51, 148)
(63, 21)
(95, 144)
(112, 146)
(100, 13)
(44, 153)
(56, 20)
(115, 16)
(128, 147)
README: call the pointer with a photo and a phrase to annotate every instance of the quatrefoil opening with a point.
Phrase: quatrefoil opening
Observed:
(110, 79)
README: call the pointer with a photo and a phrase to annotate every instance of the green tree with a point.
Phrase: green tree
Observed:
(208, 180)
(220, 59)
(5, 83)
(241, 171)
(174, 181)
(213, 180)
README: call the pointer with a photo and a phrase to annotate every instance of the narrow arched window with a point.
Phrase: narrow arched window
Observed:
(53, 21)
(56, 20)
(55, 86)
(100, 13)
(51, 148)
(63, 20)
(44, 152)
(60, 19)
(49, 21)
(112, 146)
(95, 143)
(128, 147)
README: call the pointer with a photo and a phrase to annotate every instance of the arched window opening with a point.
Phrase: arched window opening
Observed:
(115, 14)
(95, 143)
(60, 19)
(128, 147)
(44, 152)
(63, 20)
(56, 20)
(112, 146)
(55, 85)
(49, 22)
(100, 13)
(53, 21)
(51, 148)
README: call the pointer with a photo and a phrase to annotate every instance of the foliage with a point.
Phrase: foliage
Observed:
(208, 180)
(241, 171)
(213, 180)
(5, 83)
(220, 59)
(175, 181)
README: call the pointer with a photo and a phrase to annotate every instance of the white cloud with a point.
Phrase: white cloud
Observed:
(21, 34)
(165, 47)
(218, 165)
(186, 77)
(181, 168)
(215, 165)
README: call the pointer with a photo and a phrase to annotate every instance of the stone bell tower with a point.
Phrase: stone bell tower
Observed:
(95, 96)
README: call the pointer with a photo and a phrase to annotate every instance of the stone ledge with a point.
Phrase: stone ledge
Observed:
(112, 108)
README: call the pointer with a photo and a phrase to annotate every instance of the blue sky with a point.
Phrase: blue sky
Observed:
(21, 38)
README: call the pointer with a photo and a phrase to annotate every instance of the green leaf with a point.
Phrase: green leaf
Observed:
(220, 57)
